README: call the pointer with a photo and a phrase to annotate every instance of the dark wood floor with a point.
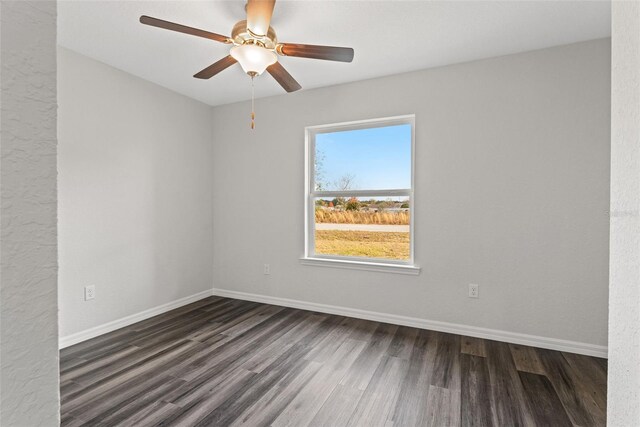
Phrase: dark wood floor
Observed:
(220, 362)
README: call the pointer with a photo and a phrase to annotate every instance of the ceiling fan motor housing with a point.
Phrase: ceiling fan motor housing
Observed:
(242, 35)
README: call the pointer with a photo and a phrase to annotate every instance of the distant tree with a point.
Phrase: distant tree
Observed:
(319, 175)
(387, 204)
(353, 204)
(405, 206)
(345, 182)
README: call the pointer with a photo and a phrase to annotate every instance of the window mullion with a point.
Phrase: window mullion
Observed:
(361, 193)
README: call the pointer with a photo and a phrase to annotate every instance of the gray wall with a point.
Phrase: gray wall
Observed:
(512, 193)
(135, 217)
(28, 258)
(624, 295)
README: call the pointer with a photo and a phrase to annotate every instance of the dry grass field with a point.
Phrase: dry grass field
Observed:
(360, 217)
(371, 244)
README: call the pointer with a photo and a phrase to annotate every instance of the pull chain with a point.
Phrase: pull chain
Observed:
(253, 114)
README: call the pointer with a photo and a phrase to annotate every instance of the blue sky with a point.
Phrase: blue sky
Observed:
(379, 158)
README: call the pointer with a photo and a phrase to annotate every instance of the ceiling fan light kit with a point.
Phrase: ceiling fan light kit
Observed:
(255, 47)
(252, 58)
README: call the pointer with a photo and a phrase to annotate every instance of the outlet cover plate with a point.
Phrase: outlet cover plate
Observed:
(89, 292)
(474, 290)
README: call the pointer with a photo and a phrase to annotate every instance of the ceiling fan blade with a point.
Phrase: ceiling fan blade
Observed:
(259, 16)
(283, 77)
(155, 22)
(330, 53)
(216, 67)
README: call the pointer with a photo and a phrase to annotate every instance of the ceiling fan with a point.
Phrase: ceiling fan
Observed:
(255, 46)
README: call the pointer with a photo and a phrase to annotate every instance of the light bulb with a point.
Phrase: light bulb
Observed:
(253, 58)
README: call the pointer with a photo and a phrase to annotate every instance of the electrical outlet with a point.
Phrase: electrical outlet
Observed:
(89, 292)
(474, 290)
(267, 269)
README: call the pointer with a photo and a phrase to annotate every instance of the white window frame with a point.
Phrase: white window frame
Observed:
(360, 263)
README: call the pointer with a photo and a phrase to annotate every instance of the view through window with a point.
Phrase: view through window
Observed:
(360, 190)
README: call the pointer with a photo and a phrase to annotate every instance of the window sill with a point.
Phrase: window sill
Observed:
(362, 265)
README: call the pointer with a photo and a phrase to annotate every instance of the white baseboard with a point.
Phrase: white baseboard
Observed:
(453, 328)
(87, 334)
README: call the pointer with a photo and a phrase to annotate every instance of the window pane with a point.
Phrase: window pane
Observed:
(369, 227)
(364, 159)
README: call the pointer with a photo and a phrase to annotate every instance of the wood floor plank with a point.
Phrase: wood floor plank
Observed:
(526, 359)
(68, 387)
(69, 363)
(508, 400)
(593, 376)
(369, 359)
(119, 410)
(308, 402)
(140, 356)
(443, 407)
(67, 420)
(446, 372)
(196, 403)
(352, 405)
(228, 362)
(545, 403)
(338, 408)
(112, 345)
(114, 397)
(152, 415)
(273, 401)
(119, 336)
(176, 331)
(410, 409)
(211, 347)
(475, 401)
(247, 320)
(237, 350)
(284, 370)
(266, 356)
(472, 346)
(205, 332)
(216, 365)
(376, 405)
(402, 342)
(93, 365)
(602, 362)
(330, 343)
(576, 399)
(123, 381)
(184, 312)
(362, 329)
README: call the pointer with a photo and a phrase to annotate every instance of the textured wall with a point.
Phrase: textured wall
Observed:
(28, 259)
(624, 293)
(135, 163)
(512, 193)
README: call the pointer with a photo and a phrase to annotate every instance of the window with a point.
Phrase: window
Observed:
(359, 195)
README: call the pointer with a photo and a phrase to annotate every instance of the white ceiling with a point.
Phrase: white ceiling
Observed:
(389, 37)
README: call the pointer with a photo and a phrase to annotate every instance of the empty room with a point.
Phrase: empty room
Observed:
(320, 213)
